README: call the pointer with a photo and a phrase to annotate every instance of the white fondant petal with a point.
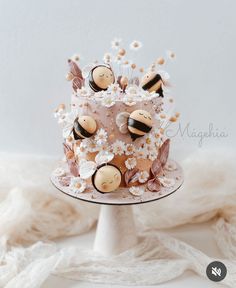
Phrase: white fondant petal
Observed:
(103, 157)
(122, 121)
(67, 131)
(86, 169)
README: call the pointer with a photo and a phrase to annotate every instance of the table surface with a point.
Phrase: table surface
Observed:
(197, 235)
(123, 196)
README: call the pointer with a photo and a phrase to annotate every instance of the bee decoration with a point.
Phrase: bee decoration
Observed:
(106, 177)
(138, 123)
(153, 82)
(84, 127)
(100, 77)
(75, 75)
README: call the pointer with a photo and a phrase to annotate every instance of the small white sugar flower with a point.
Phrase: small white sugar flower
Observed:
(140, 153)
(108, 100)
(152, 155)
(170, 54)
(135, 45)
(100, 94)
(101, 137)
(107, 58)
(118, 147)
(81, 151)
(129, 100)
(136, 191)
(89, 145)
(59, 111)
(83, 92)
(166, 182)
(149, 139)
(75, 57)
(117, 59)
(59, 172)
(114, 88)
(143, 176)
(130, 163)
(77, 185)
(130, 149)
(115, 43)
(132, 90)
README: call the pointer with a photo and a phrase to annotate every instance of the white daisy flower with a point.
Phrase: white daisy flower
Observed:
(140, 153)
(101, 137)
(108, 100)
(130, 163)
(59, 111)
(75, 57)
(84, 92)
(118, 147)
(118, 59)
(114, 88)
(149, 139)
(100, 94)
(164, 75)
(115, 43)
(77, 185)
(136, 191)
(143, 176)
(129, 100)
(166, 182)
(132, 90)
(152, 155)
(130, 149)
(89, 145)
(170, 54)
(135, 45)
(59, 172)
(81, 151)
(107, 58)
(170, 165)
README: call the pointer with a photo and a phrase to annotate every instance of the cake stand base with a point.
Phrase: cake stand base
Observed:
(116, 231)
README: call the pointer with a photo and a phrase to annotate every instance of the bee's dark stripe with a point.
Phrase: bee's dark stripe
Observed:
(82, 131)
(139, 125)
(94, 86)
(160, 92)
(135, 136)
(76, 136)
(93, 176)
(152, 82)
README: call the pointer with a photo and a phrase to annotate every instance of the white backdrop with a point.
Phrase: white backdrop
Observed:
(37, 37)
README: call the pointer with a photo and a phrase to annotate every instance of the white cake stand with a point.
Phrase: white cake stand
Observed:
(116, 231)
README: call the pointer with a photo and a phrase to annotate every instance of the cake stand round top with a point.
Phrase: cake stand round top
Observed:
(121, 196)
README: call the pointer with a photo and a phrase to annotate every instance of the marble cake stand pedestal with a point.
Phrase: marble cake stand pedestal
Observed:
(116, 231)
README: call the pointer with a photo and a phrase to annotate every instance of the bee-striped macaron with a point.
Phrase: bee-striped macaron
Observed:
(100, 78)
(152, 82)
(139, 123)
(84, 127)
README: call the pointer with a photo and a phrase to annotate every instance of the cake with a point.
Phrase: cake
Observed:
(114, 130)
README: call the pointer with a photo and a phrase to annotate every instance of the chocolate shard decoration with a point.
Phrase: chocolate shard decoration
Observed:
(78, 80)
(129, 175)
(163, 152)
(154, 185)
(70, 157)
(156, 167)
